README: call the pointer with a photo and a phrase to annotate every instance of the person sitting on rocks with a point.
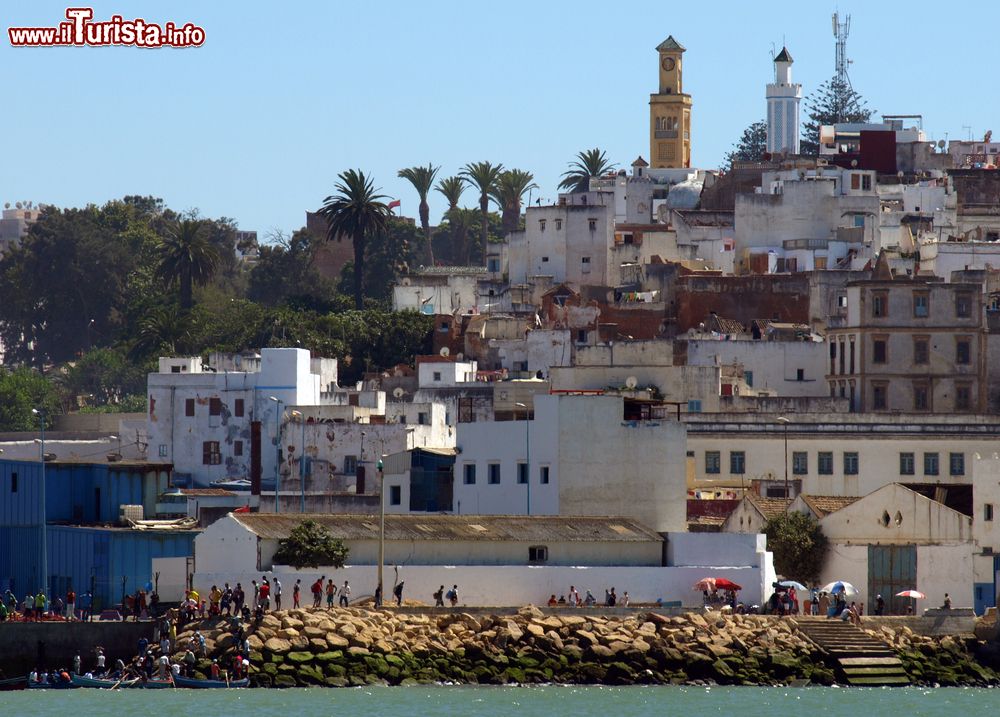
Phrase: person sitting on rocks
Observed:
(947, 602)
(552, 600)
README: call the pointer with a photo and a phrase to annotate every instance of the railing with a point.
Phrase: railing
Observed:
(665, 134)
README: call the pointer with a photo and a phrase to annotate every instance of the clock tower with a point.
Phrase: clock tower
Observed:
(670, 111)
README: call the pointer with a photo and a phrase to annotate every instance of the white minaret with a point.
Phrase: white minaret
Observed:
(783, 99)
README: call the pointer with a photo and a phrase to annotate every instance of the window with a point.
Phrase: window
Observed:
(215, 406)
(879, 393)
(737, 463)
(350, 465)
(850, 463)
(921, 397)
(13, 482)
(963, 305)
(921, 304)
(920, 351)
(879, 351)
(585, 264)
(395, 495)
(800, 463)
(422, 418)
(238, 407)
(713, 462)
(833, 356)
(880, 304)
(824, 463)
(800, 374)
(748, 377)
(493, 265)
(469, 474)
(437, 375)
(852, 354)
(522, 473)
(855, 181)
(558, 224)
(545, 260)
(987, 511)
(694, 405)
(189, 407)
(906, 465)
(163, 450)
(866, 185)
(175, 369)
(237, 448)
(956, 464)
(593, 224)
(543, 475)
(842, 354)
(210, 455)
(963, 397)
(493, 474)
(581, 336)
(541, 225)
(538, 554)
(963, 352)
(931, 464)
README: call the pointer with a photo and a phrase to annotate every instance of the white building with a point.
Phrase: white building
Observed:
(777, 368)
(783, 98)
(579, 455)
(441, 290)
(202, 418)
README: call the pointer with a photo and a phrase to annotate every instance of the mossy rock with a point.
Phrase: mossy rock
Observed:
(261, 681)
(284, 681)
(336, 682)
(276, 658)
(287, 669)
(723, 670)
(619, 673)
(376, 664)
(356, 681)
(269, 668)
(393, 660)
(408, 682)
(256, 657)
(299, 657)
(311, 674)
(329, 656)
(334, 670)
(515, 675)
(784, 664)
(592, 673)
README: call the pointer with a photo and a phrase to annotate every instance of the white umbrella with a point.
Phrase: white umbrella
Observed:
(840, 586)
(793, 584)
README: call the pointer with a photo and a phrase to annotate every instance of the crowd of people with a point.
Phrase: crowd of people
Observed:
(37, 607)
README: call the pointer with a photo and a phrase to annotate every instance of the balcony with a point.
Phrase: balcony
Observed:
(665, 134)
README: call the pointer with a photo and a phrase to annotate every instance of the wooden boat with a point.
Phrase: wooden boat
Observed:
(13, 683)
(57, 685)
(209, 684)
(128, 683)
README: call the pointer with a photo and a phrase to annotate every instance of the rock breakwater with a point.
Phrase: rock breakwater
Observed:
(355, 647)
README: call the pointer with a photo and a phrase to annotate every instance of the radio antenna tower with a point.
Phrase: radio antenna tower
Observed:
(840, 31)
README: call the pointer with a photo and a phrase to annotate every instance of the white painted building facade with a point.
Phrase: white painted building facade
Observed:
(577, 456)
(779, 368)
(783, 99)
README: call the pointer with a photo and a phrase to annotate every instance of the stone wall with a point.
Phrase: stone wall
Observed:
(26, 645)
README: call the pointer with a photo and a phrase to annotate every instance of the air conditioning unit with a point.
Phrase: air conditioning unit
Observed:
(129, 513)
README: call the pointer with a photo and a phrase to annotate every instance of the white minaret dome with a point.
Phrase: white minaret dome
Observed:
(783, 99)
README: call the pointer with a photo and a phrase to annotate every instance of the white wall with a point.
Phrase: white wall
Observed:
(436, 294)
(173, 578)
(775, 364)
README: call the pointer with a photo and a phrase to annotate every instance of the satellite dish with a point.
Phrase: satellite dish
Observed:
(941, 143)
(398, 392)
(444, 351)
(460, 356)
(631, 382)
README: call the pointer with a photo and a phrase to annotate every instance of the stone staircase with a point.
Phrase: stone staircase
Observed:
(860, 659)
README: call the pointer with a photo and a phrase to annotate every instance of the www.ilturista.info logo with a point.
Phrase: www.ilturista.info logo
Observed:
(81, 31)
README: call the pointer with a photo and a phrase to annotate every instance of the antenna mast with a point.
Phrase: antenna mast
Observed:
(840, 31)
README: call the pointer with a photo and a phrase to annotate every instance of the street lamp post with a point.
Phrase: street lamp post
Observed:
(788, 498)
(302, 461)
(45, 547)
(527, 453)
(277, 450)
(381, 522)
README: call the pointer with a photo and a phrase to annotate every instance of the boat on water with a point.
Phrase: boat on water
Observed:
(103, 683)
(56, 685)
(209, 684)
(234, 484)
(13, 683)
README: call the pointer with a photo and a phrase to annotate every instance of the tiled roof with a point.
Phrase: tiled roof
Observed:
(510, 528)
(206, 492)
(823, 505)
(768, 507)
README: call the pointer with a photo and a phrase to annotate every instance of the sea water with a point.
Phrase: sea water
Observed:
(544, 701)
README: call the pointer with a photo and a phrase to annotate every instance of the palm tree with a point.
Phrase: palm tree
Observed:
(356, 211)
(451, 188)
(460, 223)
(186, 258)
(589, 163)
(484, 177)
(422, 179)
(160, 331)
(508, 193)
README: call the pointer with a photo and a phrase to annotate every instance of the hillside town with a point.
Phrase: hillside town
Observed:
(618, 395)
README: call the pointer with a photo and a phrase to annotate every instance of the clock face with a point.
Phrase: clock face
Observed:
(668, 63)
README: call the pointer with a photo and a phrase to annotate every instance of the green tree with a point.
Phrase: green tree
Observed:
(22, 390)
(751, 146)
(357, 211)
(187, 256)
(162, 331)
(310, 545)
(451, 188)
(798, 544)
(422, 179)
(284, 272)
(390, 255)
(508, 194)
(106, 376)
(834, 101)
(590, 163)
(483, 176)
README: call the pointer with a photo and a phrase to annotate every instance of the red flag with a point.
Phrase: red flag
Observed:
(393, 204)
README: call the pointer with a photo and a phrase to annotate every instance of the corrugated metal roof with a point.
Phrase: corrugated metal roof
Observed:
(518, 528)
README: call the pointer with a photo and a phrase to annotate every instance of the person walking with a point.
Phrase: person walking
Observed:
(296, 591)
(439, 597)
(331, 593)
(345, 594)
(70, 605)
(397, 592)
(453, 595)
(276, 587)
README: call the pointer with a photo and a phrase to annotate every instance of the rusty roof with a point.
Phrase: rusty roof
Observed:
(511, 528)
(823, 505)
(207, 492)
(768, 507)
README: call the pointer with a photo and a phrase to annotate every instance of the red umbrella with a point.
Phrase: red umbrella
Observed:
(724, 584)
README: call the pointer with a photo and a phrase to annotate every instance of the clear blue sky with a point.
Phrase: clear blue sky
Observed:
(256, 124)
